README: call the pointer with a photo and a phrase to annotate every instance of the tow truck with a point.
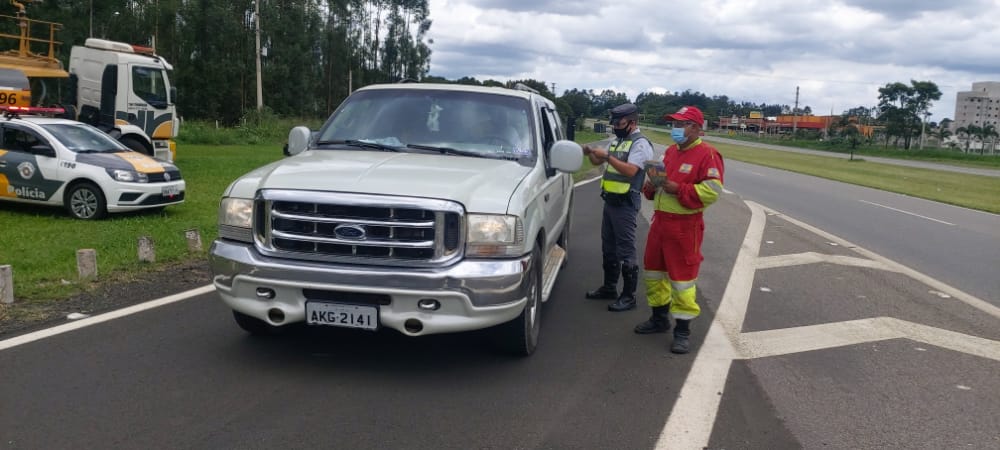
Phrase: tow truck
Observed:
(120, 88)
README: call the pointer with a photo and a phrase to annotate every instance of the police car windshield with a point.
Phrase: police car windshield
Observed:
(83, 138)
(476, 124)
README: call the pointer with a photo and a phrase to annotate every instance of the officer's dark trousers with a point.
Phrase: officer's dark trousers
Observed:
(618, 230)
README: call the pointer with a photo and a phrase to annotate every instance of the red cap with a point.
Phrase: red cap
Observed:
(689, 113)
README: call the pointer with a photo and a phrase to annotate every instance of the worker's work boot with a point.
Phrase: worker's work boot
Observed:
(659, 321)
(682, 331)
(626, 300)
(609, 290)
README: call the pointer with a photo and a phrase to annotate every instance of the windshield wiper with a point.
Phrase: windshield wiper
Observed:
(361, 144)
(447, 150)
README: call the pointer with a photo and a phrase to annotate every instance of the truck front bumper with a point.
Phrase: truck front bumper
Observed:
(473, 294)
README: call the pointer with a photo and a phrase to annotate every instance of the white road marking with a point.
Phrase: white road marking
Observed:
(693, 416)
(49, 332)
(907, 212)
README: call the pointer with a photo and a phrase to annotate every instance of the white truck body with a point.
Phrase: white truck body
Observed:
(131, 90)
(425, 235)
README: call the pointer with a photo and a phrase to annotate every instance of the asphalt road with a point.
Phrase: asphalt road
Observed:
(806, 342)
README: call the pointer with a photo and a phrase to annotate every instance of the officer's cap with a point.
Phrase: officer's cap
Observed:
(623, 110)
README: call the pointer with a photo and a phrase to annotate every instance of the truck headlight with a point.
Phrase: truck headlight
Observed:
(494, 235)
(236, 219)
(128, 176)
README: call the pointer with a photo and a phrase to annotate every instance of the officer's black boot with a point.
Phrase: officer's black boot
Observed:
(609, 290)
(626, 300)
(659, 321)
(681, 333)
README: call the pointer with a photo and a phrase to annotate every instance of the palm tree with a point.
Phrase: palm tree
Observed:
(988, 132)
(968, 132)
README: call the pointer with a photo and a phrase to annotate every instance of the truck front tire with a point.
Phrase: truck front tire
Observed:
(520, 336)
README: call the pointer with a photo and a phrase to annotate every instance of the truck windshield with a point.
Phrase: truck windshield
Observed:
(82, 138)
(473, 123)
(149, 83)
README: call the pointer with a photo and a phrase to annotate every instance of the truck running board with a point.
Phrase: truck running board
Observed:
(553, 262)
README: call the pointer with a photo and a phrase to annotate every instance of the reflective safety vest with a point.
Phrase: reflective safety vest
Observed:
(613, 181)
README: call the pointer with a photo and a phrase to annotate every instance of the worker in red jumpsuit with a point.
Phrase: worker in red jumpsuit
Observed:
(689, 181)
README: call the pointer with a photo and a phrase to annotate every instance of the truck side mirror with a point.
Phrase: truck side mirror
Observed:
(173, 95)
(566, 156)
(298, 140)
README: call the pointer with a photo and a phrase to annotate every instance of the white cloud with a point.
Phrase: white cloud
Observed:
(838, 52)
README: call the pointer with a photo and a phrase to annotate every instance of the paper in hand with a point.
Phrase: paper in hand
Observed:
(656, 173)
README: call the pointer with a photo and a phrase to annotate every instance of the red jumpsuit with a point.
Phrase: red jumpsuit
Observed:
(673, 247)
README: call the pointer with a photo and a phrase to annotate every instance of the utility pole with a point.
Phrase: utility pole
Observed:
(256, 23)
(553, 89)
(795, 113)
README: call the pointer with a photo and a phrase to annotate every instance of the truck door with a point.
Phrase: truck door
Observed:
(149, 101)
(25, 172)
(109, 92)
(555, 191)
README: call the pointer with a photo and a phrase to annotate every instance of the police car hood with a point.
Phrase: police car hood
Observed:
(480, 184)
(125, 160)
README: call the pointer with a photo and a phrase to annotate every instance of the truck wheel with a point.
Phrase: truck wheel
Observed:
(254, 325)
(520, 336)
(564, 236)
(86, 201)
(135, 145)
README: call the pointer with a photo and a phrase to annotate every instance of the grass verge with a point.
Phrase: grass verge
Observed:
(40, 244)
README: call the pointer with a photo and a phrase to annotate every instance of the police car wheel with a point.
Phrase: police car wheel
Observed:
(86, 201)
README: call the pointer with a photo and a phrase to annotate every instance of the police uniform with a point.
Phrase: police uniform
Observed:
(622, 196)
(673, 247)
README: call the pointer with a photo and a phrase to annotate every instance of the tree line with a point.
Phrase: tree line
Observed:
(313, 51)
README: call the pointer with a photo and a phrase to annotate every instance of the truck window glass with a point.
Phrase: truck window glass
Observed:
(148, 83)
(78, 137)
(479, 122)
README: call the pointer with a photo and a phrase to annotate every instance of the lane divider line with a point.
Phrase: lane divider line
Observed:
(907, 212)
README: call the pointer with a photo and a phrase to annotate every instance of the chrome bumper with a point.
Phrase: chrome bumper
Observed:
(473, 294)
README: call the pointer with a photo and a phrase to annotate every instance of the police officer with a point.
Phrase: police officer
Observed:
(621, 188)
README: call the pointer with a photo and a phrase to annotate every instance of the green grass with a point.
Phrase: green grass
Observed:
(40, 244)
(969, 191)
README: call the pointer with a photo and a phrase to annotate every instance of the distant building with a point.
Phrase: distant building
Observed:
(980, 106)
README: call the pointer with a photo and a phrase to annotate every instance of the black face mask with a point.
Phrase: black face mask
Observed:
(621, 133)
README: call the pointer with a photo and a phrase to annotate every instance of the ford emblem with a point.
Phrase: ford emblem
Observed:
(350, 232)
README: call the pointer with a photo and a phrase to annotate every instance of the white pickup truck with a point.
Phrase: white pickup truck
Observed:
(425, 208)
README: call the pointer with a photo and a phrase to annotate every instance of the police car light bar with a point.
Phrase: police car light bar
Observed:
(31, 110)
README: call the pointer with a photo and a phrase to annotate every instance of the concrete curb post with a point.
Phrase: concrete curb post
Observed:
(6, 285)
(193, 240)
(86, 263)
(147, 250)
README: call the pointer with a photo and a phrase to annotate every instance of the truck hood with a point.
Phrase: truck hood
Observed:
(473, 182)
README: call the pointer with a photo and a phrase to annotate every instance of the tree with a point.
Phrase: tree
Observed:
(901, 107)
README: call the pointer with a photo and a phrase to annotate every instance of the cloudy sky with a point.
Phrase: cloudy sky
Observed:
(838, 52)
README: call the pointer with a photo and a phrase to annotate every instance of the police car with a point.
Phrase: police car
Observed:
(61, 162)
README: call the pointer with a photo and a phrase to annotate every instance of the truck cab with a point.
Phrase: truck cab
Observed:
(120, 84)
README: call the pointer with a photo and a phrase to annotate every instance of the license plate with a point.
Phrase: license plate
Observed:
(342, 315)
(170, 191)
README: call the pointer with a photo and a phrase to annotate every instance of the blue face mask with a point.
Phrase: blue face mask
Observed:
(677, 134)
